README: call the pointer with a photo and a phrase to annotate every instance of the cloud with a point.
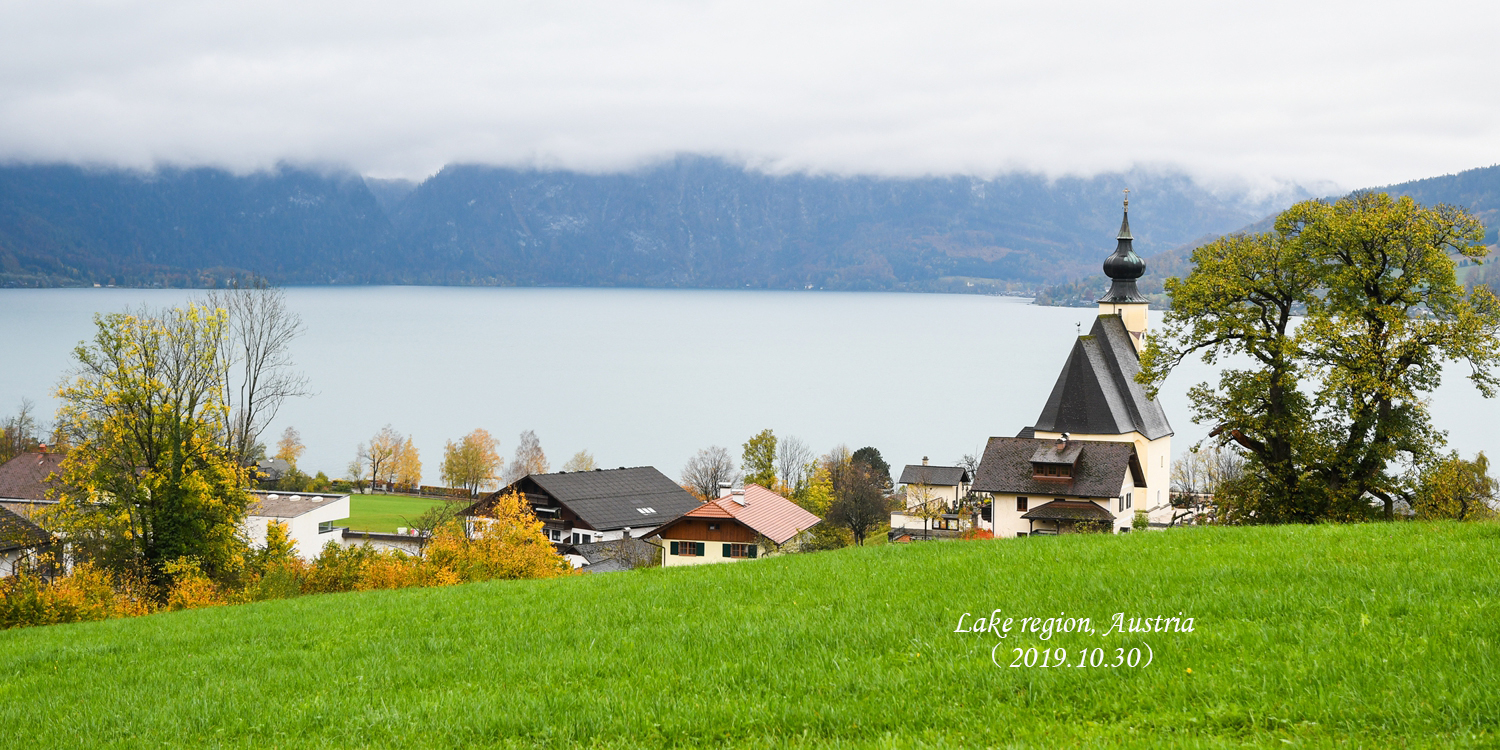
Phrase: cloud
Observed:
(1356, 93)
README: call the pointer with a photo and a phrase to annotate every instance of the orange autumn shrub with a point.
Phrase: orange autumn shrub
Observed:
(88, 593)
(508, 545)
(191, 587)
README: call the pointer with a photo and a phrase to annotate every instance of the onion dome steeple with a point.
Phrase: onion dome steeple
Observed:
(1124, 266)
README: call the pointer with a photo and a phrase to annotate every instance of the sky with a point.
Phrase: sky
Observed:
(1261, 94)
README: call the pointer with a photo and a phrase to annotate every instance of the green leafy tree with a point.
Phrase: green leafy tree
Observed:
(149, 479)
(759, 459)
(1458, 489)
(870, 458)
(1330, 409)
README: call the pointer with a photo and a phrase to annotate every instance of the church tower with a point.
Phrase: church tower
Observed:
(1096, 396)
(1123, 268)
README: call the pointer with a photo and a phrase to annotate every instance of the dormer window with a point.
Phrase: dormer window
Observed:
(1052, 471)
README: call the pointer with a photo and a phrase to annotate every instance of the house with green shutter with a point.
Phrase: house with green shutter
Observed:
(738, 525)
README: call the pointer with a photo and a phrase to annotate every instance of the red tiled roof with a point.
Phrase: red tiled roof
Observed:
(769, 514)
(709, 510)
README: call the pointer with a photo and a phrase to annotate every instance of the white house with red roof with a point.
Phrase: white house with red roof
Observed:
(738, 525)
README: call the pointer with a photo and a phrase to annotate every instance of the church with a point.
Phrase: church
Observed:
(1101, 450)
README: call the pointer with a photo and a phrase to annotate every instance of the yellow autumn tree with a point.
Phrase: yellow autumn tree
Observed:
(472, 463)
(508, 543)
(408, 464)
(148, 479)
(289, 448)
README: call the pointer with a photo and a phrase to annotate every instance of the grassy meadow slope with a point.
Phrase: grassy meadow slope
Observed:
(1315, 635)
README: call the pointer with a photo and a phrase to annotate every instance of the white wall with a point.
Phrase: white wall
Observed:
(713, 552)
(1156, 461)
(303, 530)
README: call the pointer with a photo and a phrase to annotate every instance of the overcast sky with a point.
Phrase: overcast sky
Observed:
(1354, 94)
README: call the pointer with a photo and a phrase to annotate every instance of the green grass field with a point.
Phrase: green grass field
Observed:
(1371, 635)
(384, 512)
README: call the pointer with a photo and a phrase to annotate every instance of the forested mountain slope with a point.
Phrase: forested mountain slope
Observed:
(689, 221)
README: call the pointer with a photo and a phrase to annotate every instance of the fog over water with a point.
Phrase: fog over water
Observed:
(647, 377)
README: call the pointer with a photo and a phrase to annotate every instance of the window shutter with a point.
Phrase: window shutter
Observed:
(674, 548)
(701, 548)
(727, 552)
(753, 549)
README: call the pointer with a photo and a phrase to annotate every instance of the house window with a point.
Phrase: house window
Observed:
(1020, 505)
(1020, 533)
(1121, 501)
(687, 549)
(1129, 500)
(713, 527)
(740, 550)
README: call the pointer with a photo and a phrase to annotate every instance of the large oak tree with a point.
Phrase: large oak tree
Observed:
(1332, 407)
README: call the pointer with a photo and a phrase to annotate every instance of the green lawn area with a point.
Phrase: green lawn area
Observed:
(384, 512)
(1360, 636)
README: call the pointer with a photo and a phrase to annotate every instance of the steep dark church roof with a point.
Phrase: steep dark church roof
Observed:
(1096, 393)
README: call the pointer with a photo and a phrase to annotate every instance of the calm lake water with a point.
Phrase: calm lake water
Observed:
(647, 377)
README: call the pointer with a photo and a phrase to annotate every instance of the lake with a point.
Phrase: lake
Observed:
(649, 376)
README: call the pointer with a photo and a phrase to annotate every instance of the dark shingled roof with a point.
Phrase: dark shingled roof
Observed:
(938, 476)
(1068, 510)
(25, 476)
(1049, 453)
(1101, 468)
(607, 499)
(19, 533)
(1096, 393)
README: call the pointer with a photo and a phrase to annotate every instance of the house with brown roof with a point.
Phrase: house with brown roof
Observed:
(23, 482)
(738, 525)
(1046, 486)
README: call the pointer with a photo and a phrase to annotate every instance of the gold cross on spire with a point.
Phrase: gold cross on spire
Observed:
(1127, 199)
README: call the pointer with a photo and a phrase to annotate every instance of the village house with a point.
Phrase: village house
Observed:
(20, 540)
(23, 482)
(582, 507)
(309, 517)
(735, 526)
(1101, 449)
(932, 494)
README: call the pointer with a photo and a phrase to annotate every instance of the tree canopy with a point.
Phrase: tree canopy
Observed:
(150, 478)
(759, 459)
(1346, 313)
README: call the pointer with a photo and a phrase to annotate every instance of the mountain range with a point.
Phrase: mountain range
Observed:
(690, 221)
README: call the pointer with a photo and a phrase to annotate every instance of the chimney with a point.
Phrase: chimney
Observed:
(1062, 441)
(924, 460)
(724, 489)
(739, 497)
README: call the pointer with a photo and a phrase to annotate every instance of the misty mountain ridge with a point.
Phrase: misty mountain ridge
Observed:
(686, 222)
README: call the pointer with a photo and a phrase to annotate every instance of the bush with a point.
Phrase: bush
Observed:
(88, 593)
